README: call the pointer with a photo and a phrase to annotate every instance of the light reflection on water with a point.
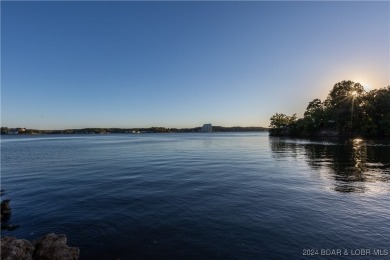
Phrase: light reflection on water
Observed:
(355, 165)
(211, 196)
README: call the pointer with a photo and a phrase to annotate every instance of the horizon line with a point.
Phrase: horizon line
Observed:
(80, 128)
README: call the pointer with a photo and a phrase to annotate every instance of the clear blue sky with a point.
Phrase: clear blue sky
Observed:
(182, 64)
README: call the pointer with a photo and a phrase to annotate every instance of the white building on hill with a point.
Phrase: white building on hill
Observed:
(207, 128)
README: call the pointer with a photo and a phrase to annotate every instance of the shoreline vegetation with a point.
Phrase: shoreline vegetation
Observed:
(348, 111)
(6, 130)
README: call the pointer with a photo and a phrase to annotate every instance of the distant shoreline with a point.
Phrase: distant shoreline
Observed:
(24, 131)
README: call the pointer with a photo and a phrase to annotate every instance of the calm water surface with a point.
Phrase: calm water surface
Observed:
(200, 196)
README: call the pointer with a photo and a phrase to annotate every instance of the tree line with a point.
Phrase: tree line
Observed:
(6, 130)
(348, 110)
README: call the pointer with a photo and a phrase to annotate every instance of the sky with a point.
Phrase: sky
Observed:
(182, 64)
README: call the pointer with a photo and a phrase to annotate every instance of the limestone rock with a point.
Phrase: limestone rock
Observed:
(12, 248)
(53, 247)
(50, 247)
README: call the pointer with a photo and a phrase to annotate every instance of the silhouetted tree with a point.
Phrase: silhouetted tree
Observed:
(377, 111)
(314, 114)
(348, 109)
(343, 104)
(281, 120)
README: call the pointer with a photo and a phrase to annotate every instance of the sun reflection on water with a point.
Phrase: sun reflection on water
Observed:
(355, 165)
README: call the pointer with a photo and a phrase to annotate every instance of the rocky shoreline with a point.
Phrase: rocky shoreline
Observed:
(49, 247)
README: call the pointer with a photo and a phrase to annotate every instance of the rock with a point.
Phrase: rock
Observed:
(9, 227)
(53, 247)
(6, 215)
(5, 207)
(12, 249)
(50, 247)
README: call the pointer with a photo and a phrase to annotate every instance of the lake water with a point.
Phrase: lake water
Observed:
(201, 196)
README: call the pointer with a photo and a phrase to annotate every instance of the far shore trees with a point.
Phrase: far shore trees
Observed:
(348, 110)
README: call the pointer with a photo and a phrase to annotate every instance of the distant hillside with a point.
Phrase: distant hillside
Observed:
(6, 130)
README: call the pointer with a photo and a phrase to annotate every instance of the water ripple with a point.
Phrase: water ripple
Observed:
(199, 196)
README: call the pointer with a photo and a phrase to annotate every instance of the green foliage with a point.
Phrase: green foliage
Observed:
(281, 120)
(314, 116)
(342, 92)
(377, 111)
(280, 123)
(343, 105)
(348, 110)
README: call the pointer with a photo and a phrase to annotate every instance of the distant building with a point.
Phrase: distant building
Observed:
(207, 128)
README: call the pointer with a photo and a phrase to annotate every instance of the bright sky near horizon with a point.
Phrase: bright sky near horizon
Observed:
(182, 64)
